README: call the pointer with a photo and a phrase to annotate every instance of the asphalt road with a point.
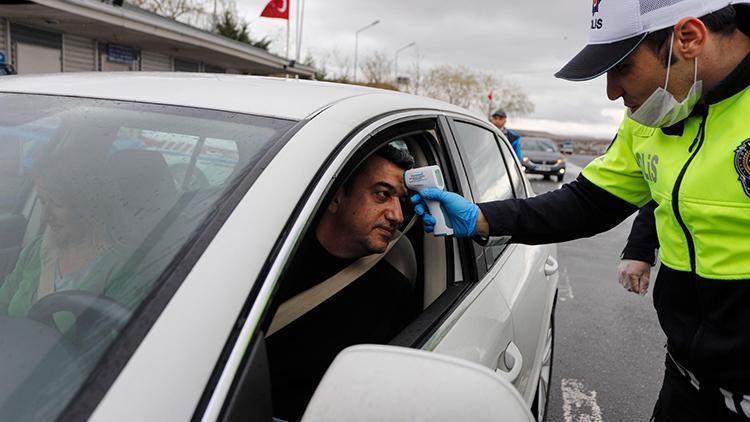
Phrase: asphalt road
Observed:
(609, 348)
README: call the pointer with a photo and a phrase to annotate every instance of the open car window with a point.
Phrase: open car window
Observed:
(376, 306)
(97, 200)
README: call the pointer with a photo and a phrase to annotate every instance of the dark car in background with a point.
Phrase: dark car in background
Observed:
(541, 156)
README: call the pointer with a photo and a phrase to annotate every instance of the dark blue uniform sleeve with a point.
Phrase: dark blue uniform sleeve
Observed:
(643, 241)
(578, 209)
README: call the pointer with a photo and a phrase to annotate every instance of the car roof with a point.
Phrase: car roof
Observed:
(279, 97)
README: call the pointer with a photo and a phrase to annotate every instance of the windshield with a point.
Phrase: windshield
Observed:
(538, 144)
(96, 199)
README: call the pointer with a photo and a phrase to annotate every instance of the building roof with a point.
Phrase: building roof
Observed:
(144, 30)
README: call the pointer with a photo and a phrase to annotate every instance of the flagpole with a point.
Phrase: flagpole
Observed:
(287, 38)
(301, 8)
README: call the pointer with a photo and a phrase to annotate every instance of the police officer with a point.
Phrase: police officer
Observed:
(682, 68)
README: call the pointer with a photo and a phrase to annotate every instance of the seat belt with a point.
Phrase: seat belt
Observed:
(302, 303)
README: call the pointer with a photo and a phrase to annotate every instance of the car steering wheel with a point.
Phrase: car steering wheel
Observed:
(95, 315)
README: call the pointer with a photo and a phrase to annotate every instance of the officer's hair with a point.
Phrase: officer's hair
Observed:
(391, 153)
(721, 22)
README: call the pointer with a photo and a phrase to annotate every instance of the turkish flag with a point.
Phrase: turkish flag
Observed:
(277, 9)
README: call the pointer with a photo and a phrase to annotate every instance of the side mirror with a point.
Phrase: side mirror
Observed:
(388, 383)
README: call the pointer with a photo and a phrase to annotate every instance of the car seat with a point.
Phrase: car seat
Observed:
(146, 192)
(402, 258)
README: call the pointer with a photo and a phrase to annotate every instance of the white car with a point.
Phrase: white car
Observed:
(147, 220)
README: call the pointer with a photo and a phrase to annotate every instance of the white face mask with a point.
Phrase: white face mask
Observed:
(661, 109)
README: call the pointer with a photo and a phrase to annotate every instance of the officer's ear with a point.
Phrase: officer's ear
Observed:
(690, 37)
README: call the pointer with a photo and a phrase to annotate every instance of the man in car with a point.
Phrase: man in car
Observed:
(683, 70)
(361, 219)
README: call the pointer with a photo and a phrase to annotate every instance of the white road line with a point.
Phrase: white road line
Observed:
(564, 288)
(579, 405)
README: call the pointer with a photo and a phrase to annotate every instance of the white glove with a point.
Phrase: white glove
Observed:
(634, 275)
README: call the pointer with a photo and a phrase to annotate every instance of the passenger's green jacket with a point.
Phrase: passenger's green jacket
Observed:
(17, 291)
(698, 172)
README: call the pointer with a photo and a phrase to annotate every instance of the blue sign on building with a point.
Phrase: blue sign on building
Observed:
(121, 54)
(2, 57)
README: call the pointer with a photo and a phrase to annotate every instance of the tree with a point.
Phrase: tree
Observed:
(510, 97)
(321, 74)
(468, 88)
(230, 26)
(377, 68)
(187, 11)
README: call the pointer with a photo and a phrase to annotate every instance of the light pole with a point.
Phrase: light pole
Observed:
(356, 45)
(395, 65)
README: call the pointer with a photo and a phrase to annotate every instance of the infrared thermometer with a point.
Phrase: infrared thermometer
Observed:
(430, 177)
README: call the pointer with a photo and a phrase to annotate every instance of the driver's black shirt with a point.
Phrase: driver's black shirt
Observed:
(372, 309)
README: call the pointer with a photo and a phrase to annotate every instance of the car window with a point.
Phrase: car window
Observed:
(20, 144)
(486, 171)
(117, 191)
(208, 162)
(378, 304)
(515, 172)
(484, 163)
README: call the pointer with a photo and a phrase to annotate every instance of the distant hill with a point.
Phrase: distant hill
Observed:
(586, 145)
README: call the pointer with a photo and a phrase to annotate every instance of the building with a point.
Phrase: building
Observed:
(42, 36)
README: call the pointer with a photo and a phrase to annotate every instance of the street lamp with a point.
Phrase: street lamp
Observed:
(395, 67)
(356, 45)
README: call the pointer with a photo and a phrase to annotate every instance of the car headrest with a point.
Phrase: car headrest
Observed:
(143, 178)
(402, 258)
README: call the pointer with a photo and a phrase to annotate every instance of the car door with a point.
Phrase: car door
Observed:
(529, 278)
(481, 328)
(514, 276)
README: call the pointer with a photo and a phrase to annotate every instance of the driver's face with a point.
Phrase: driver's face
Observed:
(370, 212)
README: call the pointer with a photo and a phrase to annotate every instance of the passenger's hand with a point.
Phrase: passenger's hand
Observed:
(462, 213)
(634, 275)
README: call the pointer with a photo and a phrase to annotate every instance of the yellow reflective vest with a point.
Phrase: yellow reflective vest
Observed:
(700, 180)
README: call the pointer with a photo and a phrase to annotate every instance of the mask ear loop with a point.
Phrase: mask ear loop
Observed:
(695, 78)
(669, 61)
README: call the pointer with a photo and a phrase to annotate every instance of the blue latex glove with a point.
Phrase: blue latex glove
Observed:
(462, 213)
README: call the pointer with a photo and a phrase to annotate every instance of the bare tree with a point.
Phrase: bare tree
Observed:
(470, 89)
(187, 11)
(508, 96)
(340, 66)
(377, 68)
(457, 85)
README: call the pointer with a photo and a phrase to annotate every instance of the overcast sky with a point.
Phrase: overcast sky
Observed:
(524, 41)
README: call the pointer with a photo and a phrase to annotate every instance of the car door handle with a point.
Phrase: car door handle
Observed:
(551, 266)
(511, 359)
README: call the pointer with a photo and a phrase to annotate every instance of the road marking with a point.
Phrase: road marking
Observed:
(565, 290)
(579, 405)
